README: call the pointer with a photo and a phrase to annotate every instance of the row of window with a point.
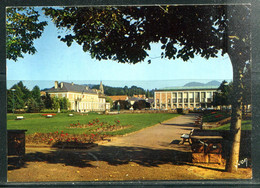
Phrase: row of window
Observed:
(163, 106)
(192, 95)
(187, 100)
(87, 106)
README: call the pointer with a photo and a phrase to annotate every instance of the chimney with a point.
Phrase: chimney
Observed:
(61, 85)
(56, 84)
(72, 83)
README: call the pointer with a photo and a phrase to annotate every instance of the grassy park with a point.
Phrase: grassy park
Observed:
(214, 117)
(38, 123)
(246, 125)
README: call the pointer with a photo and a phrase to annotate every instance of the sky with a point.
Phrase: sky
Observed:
(54, 60)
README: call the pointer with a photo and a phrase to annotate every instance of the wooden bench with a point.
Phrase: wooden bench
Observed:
(49, 116)
(186, 137)
(19, 117)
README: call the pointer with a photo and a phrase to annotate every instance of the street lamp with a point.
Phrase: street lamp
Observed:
(118, 106)
(13, 90)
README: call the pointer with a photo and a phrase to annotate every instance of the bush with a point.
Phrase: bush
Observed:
(48, 111)
(182, 111)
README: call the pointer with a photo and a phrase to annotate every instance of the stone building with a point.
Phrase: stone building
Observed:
(184, 97)
(81, 97)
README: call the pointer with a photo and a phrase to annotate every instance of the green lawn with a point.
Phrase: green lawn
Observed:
(246, 125)
(61, 122)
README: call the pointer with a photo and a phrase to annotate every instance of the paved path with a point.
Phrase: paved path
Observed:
(161, 136)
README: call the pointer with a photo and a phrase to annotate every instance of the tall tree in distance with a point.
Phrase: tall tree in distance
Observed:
(125, 34)
(22, 28)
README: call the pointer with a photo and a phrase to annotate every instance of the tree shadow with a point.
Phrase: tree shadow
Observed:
(180, 124)
(113, 155)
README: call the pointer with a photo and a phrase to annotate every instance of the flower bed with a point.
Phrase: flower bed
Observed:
(64, 139)
(95, 131)
(97, 126)
(215, 116)
(48, 114)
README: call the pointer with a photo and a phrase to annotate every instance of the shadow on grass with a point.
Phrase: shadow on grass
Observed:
(113, 155)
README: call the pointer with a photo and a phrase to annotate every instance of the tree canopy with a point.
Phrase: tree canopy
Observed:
(22, 28)
(125, 34)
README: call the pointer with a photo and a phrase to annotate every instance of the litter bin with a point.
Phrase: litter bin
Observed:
(16, 142)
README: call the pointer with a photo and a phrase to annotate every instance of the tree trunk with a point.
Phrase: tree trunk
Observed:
(236, 116)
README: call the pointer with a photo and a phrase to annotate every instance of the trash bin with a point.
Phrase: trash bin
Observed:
(16, 142)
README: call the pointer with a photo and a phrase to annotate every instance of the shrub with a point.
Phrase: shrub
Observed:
(48, 111)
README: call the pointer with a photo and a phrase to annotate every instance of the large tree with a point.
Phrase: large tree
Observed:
(22, 28)
(125, 34)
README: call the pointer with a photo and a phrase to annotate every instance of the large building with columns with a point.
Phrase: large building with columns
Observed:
(184, 97)
(81, 97)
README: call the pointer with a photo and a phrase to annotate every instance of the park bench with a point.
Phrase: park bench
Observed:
(186, 137)
(49, 116)
(19, 117)
(198, 121)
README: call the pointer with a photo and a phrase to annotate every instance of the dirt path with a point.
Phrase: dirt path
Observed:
(150, 154)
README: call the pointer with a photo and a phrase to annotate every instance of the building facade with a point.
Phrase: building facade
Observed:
(184, 97)
(81, 98)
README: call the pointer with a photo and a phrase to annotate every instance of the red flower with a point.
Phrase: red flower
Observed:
(66, 134)
(62, 135)
(51, 139)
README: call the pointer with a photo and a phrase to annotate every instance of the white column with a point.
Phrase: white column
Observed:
(177, 95)
(166, 104)
(194, 102)
(188, 93)
(171, 101)
(160, 100)
(200, 99)
(182, 99)
(155, 106)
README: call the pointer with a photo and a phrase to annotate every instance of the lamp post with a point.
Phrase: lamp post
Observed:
(118, 106)
(13, 90)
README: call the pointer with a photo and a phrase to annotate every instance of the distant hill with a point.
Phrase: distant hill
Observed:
(195, 84)
(213, 83)
(192, 84)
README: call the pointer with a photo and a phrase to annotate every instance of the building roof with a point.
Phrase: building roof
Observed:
(71, 87)
(118, 97)
(188, 88)
(135, 99)
(140, 96)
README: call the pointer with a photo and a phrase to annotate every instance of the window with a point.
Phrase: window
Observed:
(157, 100)
(174, 95)
(174, 100)
(203, 95)
(169, 100)
(180, 100)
